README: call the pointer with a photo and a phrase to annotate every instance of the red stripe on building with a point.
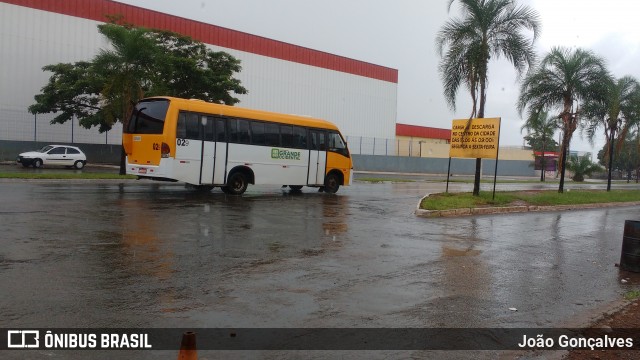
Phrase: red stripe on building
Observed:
(211, 34)
(422, 132)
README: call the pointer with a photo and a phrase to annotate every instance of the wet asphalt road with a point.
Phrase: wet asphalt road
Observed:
(143, 254)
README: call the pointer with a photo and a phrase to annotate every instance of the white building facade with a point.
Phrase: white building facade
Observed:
(359, 97)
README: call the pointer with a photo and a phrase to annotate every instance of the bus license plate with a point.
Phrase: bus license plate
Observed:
(142, 171)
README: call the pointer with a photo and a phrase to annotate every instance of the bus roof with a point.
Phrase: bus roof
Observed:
(202, 106)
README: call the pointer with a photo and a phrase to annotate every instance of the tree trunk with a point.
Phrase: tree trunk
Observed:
(542, 159)
(123, 170)
(476, 179)
(563, 163)
(610, 159)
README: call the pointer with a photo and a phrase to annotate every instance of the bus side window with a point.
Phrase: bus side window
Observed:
(322, 141)
(220, 134)
(181, 130)
(286, 132)
(335, 142)
(193, 126)
(313, 140)
(272, 134)
(257, 133)
(318, 140)
(299, 137)
(209, 123)
(232, 125)
(244, 136)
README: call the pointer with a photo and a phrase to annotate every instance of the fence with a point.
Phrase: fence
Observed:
(19, 124)
(360, 145)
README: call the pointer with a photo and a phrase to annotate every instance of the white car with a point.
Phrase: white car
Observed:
(54, 155)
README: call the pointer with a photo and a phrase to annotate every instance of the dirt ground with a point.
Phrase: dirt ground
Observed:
(626, 318)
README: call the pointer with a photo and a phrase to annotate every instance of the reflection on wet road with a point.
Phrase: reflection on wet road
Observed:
(137, 254)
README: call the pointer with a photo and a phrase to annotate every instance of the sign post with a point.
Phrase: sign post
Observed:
(476, 138)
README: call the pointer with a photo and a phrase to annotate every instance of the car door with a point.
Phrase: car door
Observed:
(56, 156)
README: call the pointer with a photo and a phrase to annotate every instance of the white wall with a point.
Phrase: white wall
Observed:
(31, 39)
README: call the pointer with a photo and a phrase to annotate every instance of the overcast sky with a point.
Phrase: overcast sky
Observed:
(400, 34)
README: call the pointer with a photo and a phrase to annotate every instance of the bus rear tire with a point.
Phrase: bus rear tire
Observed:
(237, 184)
(331, 184)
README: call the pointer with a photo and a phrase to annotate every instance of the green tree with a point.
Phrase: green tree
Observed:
(564, 77)
(581, 166)
(139, 63)
(616, 112)
(540, 131)
(487, 29)
(627, 159)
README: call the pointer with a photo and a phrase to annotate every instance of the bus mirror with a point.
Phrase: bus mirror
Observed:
(204, 121)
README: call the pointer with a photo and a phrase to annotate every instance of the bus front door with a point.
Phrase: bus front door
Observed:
(317, 157)
(214, 151)
(220, 151)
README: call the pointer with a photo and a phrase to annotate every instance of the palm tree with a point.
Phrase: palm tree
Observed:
(488, 29)
(564, 77)
(541, 126)
(617, 112)
(581, 166)
(126, 68)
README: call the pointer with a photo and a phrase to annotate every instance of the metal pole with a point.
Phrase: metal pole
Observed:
(374, 146)
(35, 127)
(495, 171)
(360, 145)
(448, 172)
(72, 129)
(386, 147)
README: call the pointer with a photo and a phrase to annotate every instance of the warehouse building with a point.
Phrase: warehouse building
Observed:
(358, 96)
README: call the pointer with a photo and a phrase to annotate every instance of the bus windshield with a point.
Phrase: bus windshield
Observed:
(148, 117)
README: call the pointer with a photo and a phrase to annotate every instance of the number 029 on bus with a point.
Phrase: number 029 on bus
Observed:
(209, 145)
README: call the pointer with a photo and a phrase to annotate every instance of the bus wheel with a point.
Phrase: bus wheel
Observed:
(237, 184)
(295, 187)
(331, 184)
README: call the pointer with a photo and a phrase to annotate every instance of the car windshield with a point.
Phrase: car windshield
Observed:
(45, 149)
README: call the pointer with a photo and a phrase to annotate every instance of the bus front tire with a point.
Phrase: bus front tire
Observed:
(331, 184)
(237, 184)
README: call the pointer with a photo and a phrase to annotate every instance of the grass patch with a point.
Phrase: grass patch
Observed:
(540, 198)
(64, 176)
(632, 295)
(379, 180)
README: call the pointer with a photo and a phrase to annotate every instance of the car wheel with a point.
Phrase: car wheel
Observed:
(79, 164)
(331, 184)
(37, 163)
(237, 184)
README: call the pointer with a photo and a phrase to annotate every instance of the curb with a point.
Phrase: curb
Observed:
(513, 209)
